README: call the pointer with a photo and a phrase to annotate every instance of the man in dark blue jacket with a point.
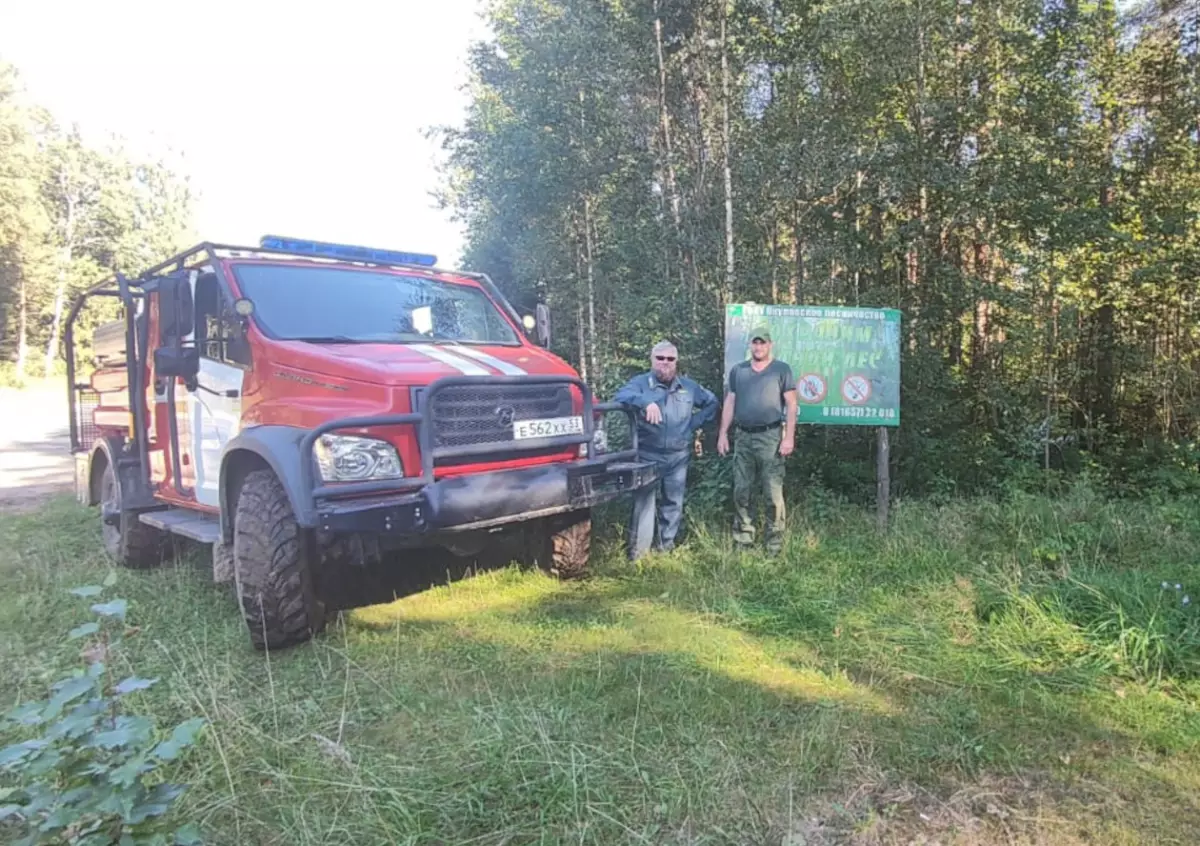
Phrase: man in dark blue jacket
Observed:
(671, 408)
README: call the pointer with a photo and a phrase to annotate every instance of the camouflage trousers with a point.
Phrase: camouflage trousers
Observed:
(757, 464)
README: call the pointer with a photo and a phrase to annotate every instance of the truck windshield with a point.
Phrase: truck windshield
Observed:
(340, 305)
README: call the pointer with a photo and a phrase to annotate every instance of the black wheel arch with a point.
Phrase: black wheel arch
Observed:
(276, 448)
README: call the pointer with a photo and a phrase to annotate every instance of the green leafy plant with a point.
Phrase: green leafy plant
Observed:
(88, 771)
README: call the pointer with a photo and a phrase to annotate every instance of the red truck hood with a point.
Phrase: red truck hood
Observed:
(413, 364)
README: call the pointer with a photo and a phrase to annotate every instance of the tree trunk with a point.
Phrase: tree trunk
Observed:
(1105, 335)
(700, 83)
(581, 334)
(665, 123)
(918, 252)
(22, 329)
(773, 247)
(858, 183)
(954, 327)
(980, 329)
(1081, 383)
(597, 370)
(700, 96)
(1049, 353)
(798, 244)
(583, 362)
(686, 278)
(1105, 338)
(60, 292)
(728, 176)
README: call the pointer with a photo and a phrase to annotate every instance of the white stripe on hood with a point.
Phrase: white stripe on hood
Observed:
(467, 368)
(507, 368)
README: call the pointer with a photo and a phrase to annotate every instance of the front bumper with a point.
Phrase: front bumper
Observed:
(423, 504)
(486, 500)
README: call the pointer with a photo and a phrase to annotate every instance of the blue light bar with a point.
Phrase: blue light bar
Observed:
(345, 251)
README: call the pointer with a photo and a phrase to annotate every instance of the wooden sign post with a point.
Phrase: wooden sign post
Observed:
(883, 479)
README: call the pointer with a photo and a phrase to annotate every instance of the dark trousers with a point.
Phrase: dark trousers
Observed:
(758, 466)
(659, 509)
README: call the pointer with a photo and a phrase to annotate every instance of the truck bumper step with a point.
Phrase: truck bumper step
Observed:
(189, 524)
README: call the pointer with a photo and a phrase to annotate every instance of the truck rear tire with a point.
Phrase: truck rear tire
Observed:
(275, 584)
(131, 542)
(571, 544)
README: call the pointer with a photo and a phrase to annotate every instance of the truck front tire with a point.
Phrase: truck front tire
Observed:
(222, 562)
(570, 544)
(275, 584)
(130, 541)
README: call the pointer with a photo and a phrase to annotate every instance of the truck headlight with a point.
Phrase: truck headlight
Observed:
(349, 458)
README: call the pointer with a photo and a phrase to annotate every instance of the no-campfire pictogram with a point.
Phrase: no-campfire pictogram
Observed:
(856, 389)
(811, 387)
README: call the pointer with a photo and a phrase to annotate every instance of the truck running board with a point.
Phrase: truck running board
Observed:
(189, 524)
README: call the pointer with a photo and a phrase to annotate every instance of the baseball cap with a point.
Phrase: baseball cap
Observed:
(761, 332)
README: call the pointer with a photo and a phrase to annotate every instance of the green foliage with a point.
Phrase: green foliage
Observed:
(1021, 180)
(70, 214)
(90, 771)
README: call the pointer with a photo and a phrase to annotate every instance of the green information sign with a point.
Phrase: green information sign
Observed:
(846, 360)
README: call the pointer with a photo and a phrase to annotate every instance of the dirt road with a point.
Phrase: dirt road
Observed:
(34, 462)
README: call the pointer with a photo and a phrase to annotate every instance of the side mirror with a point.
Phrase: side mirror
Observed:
(543, 324)
(181, 362)
(176, 317)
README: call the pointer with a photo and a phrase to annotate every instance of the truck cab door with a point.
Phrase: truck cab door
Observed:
(173, 366)
(214, 398)
(199, 367)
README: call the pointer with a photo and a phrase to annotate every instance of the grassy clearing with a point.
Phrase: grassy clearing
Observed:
(1007, 672)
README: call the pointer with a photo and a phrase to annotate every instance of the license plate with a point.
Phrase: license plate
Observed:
(549, 428)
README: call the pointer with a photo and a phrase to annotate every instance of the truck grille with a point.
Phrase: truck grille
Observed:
(469, 415)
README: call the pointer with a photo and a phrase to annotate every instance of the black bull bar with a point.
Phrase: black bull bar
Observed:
(419, 503)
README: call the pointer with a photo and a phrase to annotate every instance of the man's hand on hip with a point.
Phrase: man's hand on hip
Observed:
(653, 414)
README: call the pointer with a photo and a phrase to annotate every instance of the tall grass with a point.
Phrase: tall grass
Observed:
(989, 671)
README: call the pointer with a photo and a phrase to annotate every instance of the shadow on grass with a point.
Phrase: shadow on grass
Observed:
(918, 687)
(585, 668)
(410, 572)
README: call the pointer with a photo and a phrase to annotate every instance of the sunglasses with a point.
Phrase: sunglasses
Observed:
(664, 358)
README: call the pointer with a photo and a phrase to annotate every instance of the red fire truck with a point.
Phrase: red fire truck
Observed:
(305, 406)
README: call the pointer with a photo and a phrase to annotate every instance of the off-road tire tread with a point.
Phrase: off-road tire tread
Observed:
(570, 546)
(222, 563)
(275, 586)
(140, 546)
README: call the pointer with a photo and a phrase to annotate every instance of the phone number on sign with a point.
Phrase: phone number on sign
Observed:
(857, 411)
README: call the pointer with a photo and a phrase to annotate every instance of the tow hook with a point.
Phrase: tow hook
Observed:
(110, 517)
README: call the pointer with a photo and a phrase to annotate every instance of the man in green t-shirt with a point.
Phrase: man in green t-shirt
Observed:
(761, 404)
